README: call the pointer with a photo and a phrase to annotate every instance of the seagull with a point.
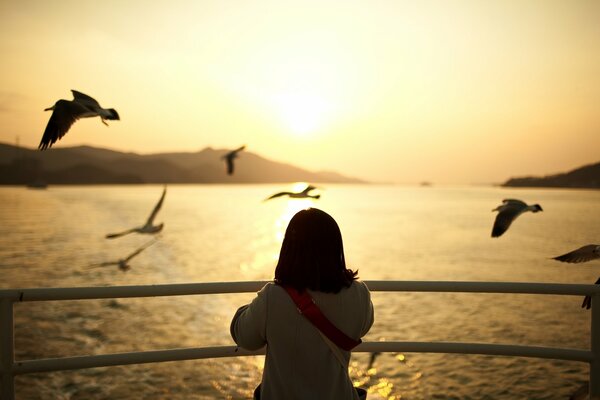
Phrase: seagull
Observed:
(66, 112)
(296, 195)
(123, 263)
(149, 226)
(582, 254)
(508, 211)
(372, 358)
(581, 393)
(229, 157)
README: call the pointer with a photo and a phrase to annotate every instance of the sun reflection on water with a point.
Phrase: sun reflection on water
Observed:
(378, 383)
(269, 233)
(212, 232)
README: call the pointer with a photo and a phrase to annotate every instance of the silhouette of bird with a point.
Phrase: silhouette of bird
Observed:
(123, 263)
(581, 393)
(66, 112)
(583, 254)
(296, 195)
(149, 226)
(508, 211)
(229, 157)
(372, 358)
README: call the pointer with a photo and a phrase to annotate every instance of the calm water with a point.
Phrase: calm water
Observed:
(48, 238)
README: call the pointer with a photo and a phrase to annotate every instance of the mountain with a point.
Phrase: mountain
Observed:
(91, 165)
(586, 177)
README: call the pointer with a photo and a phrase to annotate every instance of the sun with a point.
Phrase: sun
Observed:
(302, 112)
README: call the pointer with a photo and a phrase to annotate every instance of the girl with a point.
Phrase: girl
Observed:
(301, 363)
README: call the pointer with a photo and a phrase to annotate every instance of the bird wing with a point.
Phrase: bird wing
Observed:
(587, 300)
(374, 355)
(84, 98)
(157, 207)
(103, 264)
(233, 153)
(308, 189)
(139, 250)
(116, 235)
(504, 219)
(64, 115)
(581, 393)
(277, 195)
(582, 254)
(515, 201)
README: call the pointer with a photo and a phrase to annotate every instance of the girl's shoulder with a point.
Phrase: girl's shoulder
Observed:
(360, 286)
(272, 289)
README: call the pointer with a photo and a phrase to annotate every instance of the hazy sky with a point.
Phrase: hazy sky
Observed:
(403, 91)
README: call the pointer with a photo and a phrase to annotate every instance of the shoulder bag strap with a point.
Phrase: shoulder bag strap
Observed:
(307, 307)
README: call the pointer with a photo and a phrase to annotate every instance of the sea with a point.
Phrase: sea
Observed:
(212, 233)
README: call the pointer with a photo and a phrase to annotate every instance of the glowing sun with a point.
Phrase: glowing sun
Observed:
(302, 112)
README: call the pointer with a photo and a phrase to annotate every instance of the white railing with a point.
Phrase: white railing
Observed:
(9, 368)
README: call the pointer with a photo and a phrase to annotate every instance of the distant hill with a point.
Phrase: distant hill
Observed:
(587, 177)
(91, 165)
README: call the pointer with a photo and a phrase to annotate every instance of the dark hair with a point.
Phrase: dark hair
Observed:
(312, 254)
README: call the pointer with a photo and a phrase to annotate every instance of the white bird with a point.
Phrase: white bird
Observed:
(66, 112)
(296, 195)
(508, 211)
(123, 263)
(149, 226)
(583, 254)
(229, 157)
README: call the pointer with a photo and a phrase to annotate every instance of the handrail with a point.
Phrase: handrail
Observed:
(196, 353)
(9, 368)
(183, 289)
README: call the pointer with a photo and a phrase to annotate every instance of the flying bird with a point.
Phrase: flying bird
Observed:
(372, 358)
(65, 113)
(296, 195)
(229, 157)
(123, 263)
(508, 211)
(581, 393)
(582, 254)
(149, 226)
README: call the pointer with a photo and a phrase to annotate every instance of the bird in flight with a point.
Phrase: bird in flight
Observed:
(508, 211)
(297, 195)
(149, 226)
(66, 112)
(583, 254)
(229, 157)
(372, 358)
(123, 263)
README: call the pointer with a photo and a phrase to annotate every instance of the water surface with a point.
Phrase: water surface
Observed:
(48, 238)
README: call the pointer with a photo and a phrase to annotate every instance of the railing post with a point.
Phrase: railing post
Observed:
(7, 390)
(595, 347)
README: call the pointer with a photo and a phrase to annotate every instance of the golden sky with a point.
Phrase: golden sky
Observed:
(400, 91)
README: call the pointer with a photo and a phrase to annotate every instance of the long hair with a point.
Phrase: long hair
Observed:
(312, 254)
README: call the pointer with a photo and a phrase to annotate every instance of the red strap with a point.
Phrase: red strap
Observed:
(307, 307)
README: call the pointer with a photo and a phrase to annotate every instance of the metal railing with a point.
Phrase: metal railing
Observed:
(9, 367)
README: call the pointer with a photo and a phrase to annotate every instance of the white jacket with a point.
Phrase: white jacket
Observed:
(299, 364)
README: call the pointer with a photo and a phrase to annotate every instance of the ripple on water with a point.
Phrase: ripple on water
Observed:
(47, 238)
